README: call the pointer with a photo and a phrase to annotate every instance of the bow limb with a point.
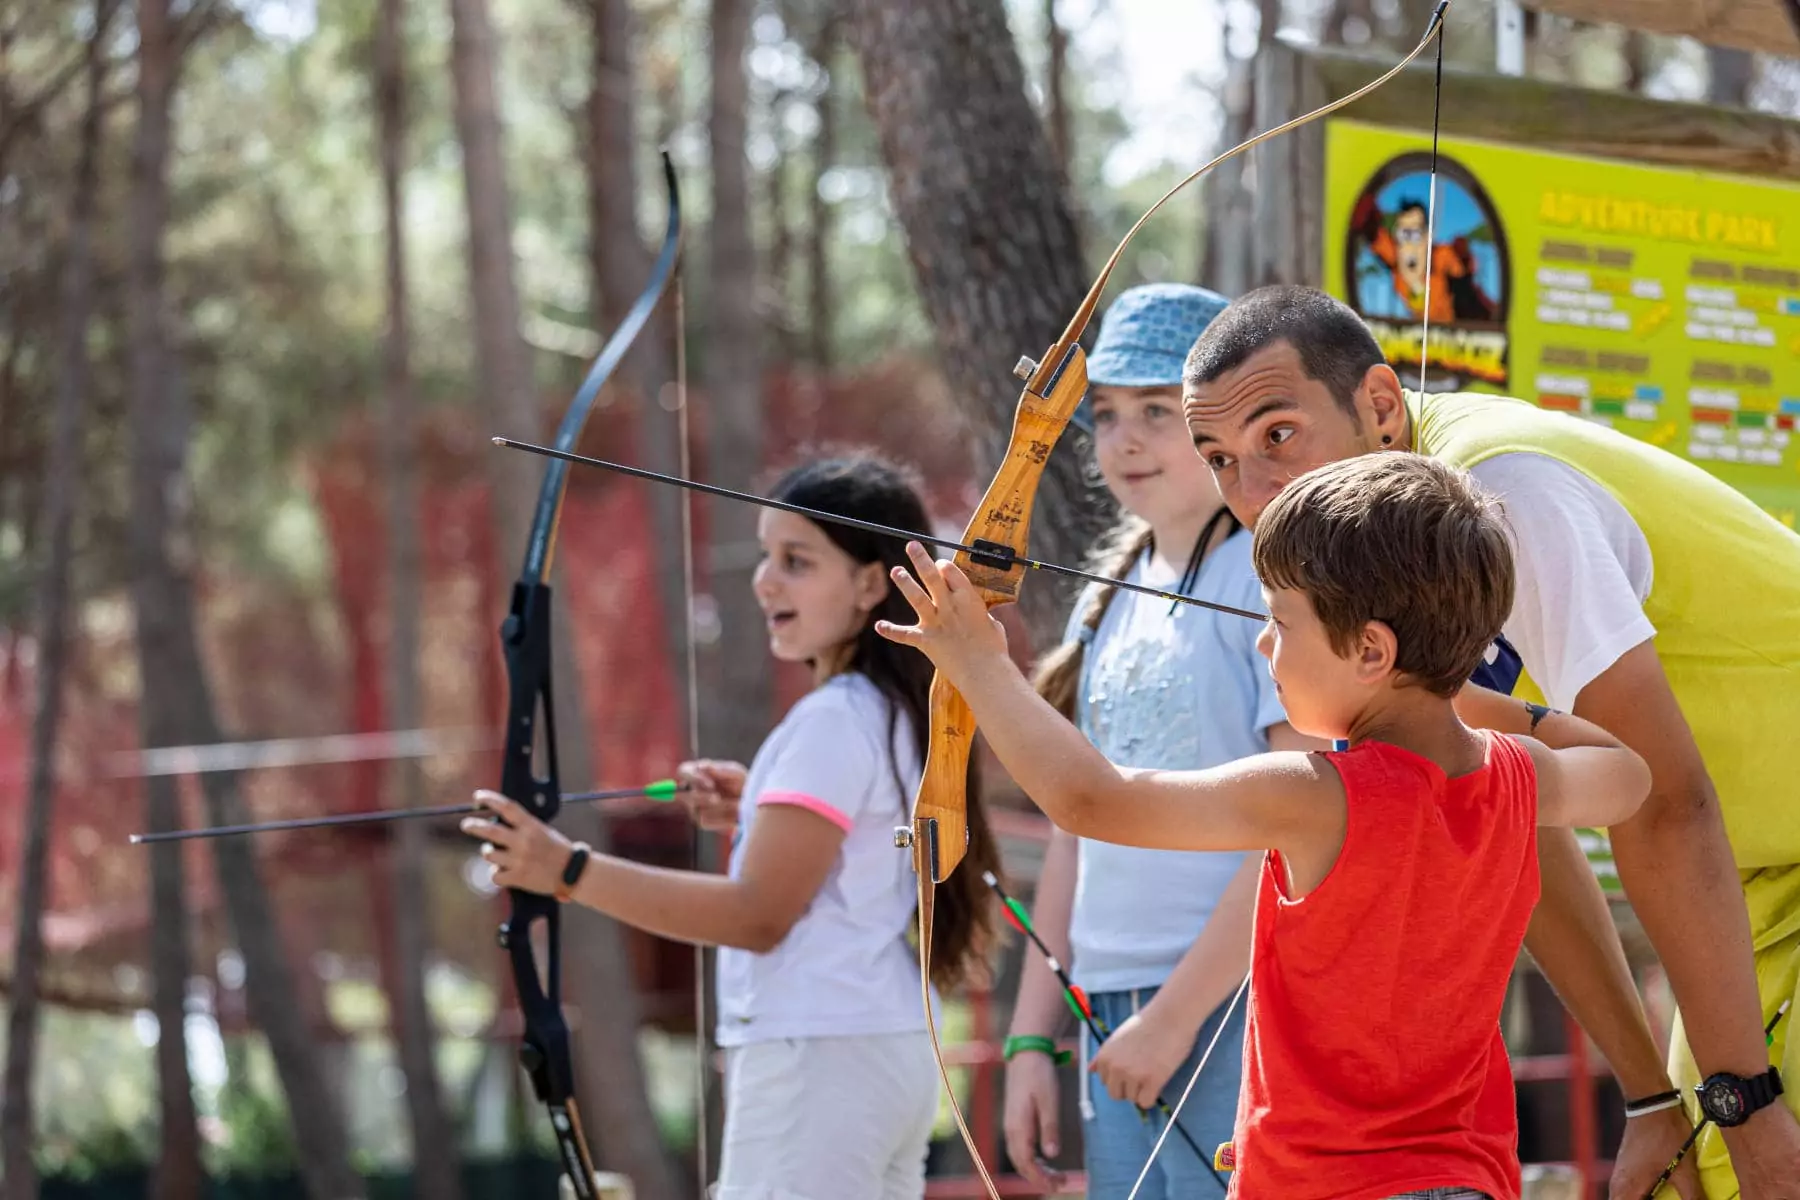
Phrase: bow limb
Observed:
(525, 642)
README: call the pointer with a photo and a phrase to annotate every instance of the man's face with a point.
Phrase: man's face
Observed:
(1265, 424)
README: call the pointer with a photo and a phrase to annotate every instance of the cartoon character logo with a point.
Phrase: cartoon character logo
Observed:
(1396, 263)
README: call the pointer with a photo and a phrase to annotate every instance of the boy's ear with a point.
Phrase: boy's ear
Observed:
(1377, 652)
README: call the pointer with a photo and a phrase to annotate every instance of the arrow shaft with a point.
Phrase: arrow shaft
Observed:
(994, 553)
(661, 792)
(1078, 1002)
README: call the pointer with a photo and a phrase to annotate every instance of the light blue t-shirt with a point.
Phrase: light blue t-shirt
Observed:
(1182, 691)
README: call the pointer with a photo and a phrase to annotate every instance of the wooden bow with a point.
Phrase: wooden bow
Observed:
(996, 534)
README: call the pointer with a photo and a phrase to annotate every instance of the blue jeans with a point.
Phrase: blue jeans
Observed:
(1118, 1138)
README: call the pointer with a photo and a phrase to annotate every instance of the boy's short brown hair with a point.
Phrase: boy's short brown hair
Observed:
(1399, 538)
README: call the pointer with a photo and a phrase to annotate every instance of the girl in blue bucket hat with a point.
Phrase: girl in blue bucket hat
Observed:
(1159, 940)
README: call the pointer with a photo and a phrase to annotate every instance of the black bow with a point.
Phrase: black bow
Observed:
(525, 639)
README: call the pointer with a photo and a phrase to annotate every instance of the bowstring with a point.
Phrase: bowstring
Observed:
(1424, 360)
(1437, 98)
(702, 1069)
(1175, 1114)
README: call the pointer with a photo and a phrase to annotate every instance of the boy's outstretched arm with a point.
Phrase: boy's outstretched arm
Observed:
(1587, 778)
(1283, 801)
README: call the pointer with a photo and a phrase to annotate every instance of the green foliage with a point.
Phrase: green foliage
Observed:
(99, 1150)
(259, 1139)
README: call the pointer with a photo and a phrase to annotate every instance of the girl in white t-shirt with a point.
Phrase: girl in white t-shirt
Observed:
(830, 1083)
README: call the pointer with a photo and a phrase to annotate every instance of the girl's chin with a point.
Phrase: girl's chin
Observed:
(787, 650)
(784, 651)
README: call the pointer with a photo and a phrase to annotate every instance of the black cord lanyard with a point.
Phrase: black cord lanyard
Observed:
(1190, 574)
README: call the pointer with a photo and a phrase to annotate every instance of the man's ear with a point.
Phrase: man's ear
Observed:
(1381, 404)
(1377, 652)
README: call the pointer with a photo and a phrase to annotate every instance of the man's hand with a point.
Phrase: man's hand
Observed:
(1765, 1154)
(1033, 1134)
(714, 790)
(954, 629)
(1140, 1057)
(1649, 1144)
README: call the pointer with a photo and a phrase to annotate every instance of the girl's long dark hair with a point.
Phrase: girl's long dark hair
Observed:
(864, 485)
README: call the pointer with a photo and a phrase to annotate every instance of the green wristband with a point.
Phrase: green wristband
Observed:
(1033, 1041)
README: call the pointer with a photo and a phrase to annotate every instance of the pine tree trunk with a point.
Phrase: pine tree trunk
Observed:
(609, 1069)
(621, 269)
(437, 1165)
(178, 1171)
(738, 671)
(823, 51)
(175, 705)
(1056, 72)
(773, 308)
(988, 228)
(61, 483)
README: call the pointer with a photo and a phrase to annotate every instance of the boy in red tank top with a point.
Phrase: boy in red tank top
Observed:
(1399, 875)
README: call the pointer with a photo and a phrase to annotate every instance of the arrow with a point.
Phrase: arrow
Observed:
(1077, 1001)
(662, 790)
(987, 554)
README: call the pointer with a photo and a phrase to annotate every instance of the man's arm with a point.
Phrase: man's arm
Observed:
(1572, 937)
(1676, 864)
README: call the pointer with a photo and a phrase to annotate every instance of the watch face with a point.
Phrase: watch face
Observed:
(1723, 1102)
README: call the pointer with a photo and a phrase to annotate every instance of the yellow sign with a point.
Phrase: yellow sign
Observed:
(1663, 302)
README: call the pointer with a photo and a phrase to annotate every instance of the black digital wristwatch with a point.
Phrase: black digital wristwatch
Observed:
(1729, 1100)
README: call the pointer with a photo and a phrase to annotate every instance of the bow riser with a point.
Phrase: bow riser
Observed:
(1004, 515)
(940, 821)
(940, 826)
(545, 1050)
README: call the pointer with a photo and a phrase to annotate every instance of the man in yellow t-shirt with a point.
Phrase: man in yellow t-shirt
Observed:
(1652, 600)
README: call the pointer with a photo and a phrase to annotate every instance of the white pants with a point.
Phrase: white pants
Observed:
(828, 1118)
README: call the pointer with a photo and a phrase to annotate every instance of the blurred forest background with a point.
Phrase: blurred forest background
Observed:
(273, 271)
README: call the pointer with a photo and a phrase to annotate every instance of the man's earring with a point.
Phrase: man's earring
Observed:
(1386, 440)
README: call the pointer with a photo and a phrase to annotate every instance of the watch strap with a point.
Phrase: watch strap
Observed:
(571, 873)
(1761, 1090)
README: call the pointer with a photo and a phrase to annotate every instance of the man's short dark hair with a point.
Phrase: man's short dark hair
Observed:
(1335, 347)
